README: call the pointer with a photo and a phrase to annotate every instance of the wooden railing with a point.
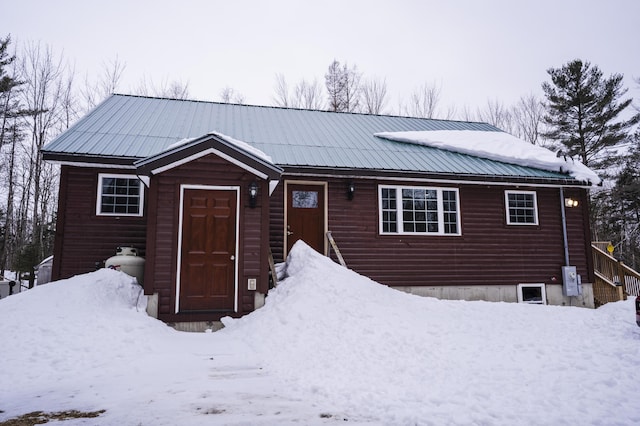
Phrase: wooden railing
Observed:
(614, 280)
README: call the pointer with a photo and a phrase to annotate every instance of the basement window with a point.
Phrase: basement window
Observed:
(522, 207)
(119, 195)
(419, 210)
(534, 294)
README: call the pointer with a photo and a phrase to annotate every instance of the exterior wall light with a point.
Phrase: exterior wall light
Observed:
(253, 194)
(570, 202)
(351, 189)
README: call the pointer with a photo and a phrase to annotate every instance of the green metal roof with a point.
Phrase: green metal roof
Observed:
(127, 128)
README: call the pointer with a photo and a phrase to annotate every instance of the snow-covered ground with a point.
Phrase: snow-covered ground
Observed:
(329, 346)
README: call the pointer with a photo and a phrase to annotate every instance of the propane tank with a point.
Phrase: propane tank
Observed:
(127, 261)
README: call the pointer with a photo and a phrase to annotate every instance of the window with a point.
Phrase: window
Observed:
(304, 199)
(532, 293)
(522, 208)
(419, 210)
(119, 195)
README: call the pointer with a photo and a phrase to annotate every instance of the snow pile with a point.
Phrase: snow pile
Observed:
(499, 146)
(329, 345)
(379, 354)
(62, 328)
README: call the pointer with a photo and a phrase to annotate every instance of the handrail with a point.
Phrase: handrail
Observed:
(611, 274)
(333, 245)
(602, 245)
(605, 279)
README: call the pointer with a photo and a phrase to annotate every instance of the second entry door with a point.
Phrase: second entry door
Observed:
(306, 215)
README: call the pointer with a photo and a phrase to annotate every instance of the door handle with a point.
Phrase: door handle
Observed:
(233, 257)
(289, 233)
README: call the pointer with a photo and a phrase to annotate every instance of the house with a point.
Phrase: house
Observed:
(206, 191)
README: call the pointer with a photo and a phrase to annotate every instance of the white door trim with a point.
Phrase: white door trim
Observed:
(180, 221)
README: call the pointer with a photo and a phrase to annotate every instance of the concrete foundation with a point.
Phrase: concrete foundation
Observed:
(258, 300)
(502, 294)
(197, 327)
(152, 305)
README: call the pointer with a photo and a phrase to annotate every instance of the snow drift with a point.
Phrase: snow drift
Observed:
(403, 359)
(329, 345)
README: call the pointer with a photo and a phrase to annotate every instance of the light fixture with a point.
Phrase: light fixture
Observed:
(570, 202)
(253, 194)
(351, 189)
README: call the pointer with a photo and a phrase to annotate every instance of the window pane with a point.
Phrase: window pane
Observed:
(389, 214)
(421, 210)
(120, 196)
(304, 199)
(522, 208)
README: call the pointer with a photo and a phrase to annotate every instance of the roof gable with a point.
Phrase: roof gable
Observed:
(212, 143)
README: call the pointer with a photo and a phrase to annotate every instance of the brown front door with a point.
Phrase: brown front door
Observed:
(208, 250)
(305, 215)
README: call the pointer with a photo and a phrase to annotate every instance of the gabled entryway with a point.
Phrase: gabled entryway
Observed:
(207, 229)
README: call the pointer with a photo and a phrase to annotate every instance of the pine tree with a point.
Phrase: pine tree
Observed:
(10, 111)
(8, 106)
(582, 112)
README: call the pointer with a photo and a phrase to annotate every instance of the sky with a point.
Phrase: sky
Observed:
(328, 347)
(474, 50)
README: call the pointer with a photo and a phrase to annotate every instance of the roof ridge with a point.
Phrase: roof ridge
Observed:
(276, 107)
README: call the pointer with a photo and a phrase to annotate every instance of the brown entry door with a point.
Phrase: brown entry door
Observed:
(208, 263)
(305, 215)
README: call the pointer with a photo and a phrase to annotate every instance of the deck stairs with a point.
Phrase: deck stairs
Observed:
(614, 280)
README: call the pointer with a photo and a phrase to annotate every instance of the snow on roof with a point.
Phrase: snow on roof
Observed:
(238, 143)
(498, 146)
(245, 146)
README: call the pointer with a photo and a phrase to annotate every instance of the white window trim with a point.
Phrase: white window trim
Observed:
(399, 215)
(535, 207)
(122, 176)
(543, 293)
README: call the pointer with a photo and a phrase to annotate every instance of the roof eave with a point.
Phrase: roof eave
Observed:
(88, 159)
(429, 176)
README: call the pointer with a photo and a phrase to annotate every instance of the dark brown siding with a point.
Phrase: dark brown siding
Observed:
(489, 252)
(82, 238)
(163, 236)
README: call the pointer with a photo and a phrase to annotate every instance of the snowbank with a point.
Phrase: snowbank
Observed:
(499, 146)
(329, 345)
(380, 354)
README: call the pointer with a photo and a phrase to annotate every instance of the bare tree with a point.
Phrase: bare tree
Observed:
(528, 114)
(374, 95)
(231, 95)
(424, 101)
(175, 89)
(497, 114)
(343, 87)
(42, 93)
(69, 105)
(107, 83)
(466, 114)
(308, 95)
(281, 88)
(305, 95)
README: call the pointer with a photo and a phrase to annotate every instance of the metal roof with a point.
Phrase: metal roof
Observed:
(133, 127)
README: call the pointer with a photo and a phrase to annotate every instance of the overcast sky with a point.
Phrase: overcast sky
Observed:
(476, 50)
